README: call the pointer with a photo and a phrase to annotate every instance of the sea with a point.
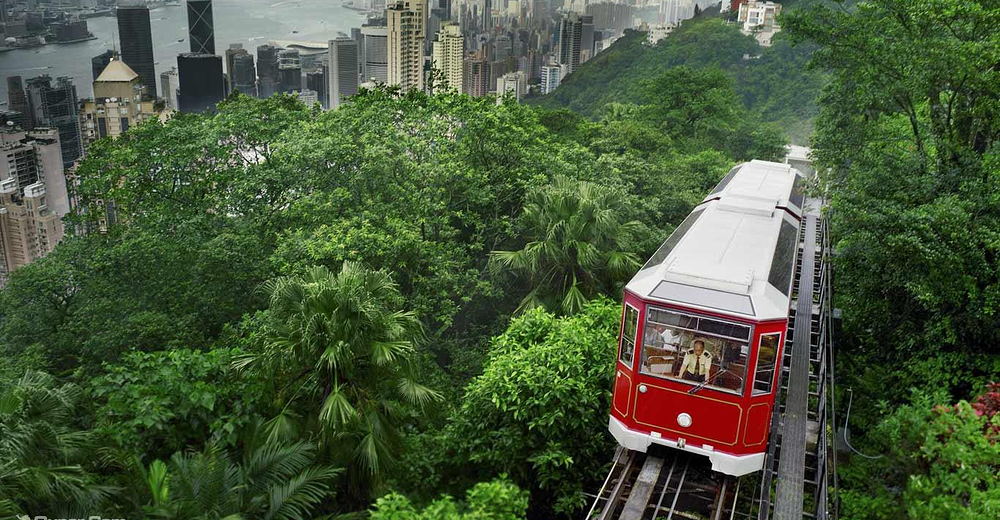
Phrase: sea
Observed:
(250, 22)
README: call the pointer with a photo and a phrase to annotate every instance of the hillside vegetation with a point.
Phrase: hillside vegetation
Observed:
(772, 82)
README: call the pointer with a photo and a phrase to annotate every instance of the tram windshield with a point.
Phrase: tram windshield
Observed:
(695, 350)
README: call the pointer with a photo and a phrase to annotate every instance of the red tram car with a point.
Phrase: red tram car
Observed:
(704, 321)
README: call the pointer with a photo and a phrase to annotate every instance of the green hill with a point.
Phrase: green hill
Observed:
(772, 80)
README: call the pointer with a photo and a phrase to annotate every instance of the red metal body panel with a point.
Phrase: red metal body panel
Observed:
(729, 423)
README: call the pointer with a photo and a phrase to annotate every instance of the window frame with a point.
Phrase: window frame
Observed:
(621, 338)
(774, 367)
(709, 386)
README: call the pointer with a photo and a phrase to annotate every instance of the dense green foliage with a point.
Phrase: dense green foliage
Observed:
(771, 81)
(908, 138)
(496, 500)
(539, 408)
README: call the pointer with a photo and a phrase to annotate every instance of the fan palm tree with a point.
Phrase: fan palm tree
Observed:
(577, 249)
(341, 339)
(274, 481)
(41, 451)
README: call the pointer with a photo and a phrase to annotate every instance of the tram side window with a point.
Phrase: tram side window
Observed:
(767, 357)
(631, 323)
(695, 350)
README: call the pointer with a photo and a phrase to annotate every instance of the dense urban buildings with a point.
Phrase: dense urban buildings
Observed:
(343, 70)
(201, 29)
(551, 77)
(137, 42)
(17, 101)
(33, 196)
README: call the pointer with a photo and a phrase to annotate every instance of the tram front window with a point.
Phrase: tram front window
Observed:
(695, 350)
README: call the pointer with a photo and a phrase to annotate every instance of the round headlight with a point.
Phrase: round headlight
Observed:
(684, 420)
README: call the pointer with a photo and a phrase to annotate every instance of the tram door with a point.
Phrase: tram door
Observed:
(624, 368)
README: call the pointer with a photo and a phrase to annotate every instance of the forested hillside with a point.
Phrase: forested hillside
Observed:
(772, 82)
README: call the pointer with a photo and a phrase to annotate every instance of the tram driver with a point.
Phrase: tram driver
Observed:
(697, 363)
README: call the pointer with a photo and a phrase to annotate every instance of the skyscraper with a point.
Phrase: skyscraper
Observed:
(316, 81)
(169, 81)
(343, 71)
(449, 51)
(201, 29)
(406, 23)
(202, 82)
(17, 101)
(476, 75)
(137, 42)
(570, 41)
(244, 76)
(57, 107)
(99, 62)
(289, 71)
(268, 80)
(374, 54)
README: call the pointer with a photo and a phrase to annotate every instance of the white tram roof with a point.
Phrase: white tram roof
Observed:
(735, 253)
(767, 183)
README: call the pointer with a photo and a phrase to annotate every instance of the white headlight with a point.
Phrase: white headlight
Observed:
(684, 420)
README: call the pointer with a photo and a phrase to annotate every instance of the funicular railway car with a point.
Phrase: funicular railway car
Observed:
(704, 321)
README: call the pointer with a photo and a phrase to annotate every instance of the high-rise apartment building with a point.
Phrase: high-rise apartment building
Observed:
(406, 23)
(374, 66)
(202, 82)
(201, 28)
(56, 106)
(570, 41)
(33, 197)
(476, 75)
(289, 71)
(550, 78)
(449, 54)
(268, 79)
(343, 72)
(136, 39)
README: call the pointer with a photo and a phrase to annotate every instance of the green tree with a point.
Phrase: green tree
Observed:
(579, 246)
(539, 410)
(496, 500)
(156, 403)
(342, 339)
(43, 452)
(272, 481)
